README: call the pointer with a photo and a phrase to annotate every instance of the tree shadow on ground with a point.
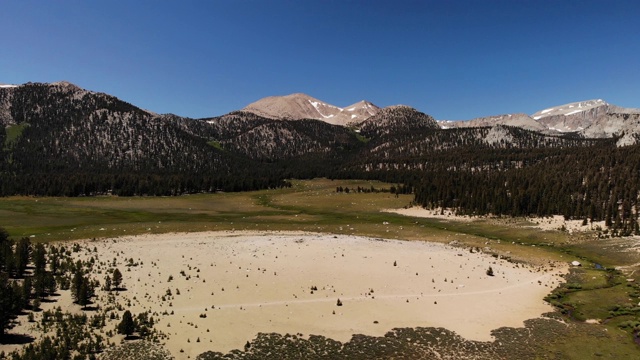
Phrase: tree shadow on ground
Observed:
(16, 339)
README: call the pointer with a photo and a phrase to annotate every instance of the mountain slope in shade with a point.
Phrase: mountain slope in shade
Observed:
(301, 106)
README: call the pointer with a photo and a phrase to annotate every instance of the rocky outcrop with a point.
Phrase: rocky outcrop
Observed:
(520, 120)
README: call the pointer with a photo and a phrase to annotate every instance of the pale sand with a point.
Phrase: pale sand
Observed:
(267, 279)
(555, 222)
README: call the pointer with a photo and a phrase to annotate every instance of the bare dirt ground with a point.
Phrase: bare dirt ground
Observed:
(228, 286)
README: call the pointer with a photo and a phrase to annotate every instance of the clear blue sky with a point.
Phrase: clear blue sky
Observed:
(451, 59)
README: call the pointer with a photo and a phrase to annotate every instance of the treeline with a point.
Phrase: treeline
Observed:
(598, 183)
(393, 189)
(131, 184)
(419, 149)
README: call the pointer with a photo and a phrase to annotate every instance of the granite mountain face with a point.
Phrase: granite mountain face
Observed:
(518, 120)
(592, 119)
(587, 119)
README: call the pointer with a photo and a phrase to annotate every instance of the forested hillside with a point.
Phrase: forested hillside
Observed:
(58, 139)
(68, 141)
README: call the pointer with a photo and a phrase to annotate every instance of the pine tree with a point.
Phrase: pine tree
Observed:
(116, 279)
(6, 302)
(126, 326)
(81, 288)
(22, 255)
(107, 283)
(39, 258)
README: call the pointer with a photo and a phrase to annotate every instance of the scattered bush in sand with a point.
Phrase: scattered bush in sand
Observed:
(490, 271)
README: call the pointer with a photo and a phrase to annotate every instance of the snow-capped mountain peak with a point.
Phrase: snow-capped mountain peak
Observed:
(569, 109)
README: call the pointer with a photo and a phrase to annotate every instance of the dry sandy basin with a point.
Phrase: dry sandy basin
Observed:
(555, 222)
(247, 283)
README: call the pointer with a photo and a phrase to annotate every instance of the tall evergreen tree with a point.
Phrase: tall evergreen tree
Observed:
(22, 255)
(6, 302)
(126, 326)
(116, 279)
(81, 287)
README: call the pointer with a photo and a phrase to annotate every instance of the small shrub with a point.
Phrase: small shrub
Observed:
(490, 271)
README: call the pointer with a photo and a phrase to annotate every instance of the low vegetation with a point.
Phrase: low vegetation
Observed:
(597, 312)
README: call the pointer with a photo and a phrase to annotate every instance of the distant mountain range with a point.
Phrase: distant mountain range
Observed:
(589, 119)
(60, 128)
(578, 159)
(302, 106)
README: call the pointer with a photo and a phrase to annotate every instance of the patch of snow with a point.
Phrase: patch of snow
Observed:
(537, 117)
(351, 109)
(573, 112)
(546, 111)
(8, 86)
(315, 105)
(353, 116)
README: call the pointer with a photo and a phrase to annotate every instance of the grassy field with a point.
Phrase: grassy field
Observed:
(308, 205)
(591, 292)
(13, 134)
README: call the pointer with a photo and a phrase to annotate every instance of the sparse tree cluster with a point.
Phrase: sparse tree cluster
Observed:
(20, 289)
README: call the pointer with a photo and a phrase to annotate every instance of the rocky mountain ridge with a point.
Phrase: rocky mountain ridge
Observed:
(519, 120)
(61, 140)
(588, 119)
(301, 106)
